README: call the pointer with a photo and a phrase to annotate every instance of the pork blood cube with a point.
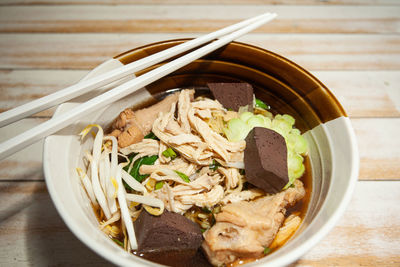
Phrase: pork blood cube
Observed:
(233, 95)
(265, 160)
(168, 232)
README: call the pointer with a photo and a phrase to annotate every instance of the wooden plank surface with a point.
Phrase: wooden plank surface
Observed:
(32, 233)
(196, 18)
(202, 2)
(312, 51)
(368, 233)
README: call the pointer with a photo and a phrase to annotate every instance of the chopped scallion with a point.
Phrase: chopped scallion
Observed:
(183, 176)
(147, 160)
(214, 165)
(169, 153)
(159, 185)
(261, 104)
(118, 242)
(206, 210)
(267, 250)
(151, 135)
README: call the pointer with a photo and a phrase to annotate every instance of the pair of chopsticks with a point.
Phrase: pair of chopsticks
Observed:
(223, 36)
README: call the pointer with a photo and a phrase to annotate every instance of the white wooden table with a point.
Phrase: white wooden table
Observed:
(352, 46)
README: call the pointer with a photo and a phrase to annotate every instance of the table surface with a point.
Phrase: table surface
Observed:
(351, 46)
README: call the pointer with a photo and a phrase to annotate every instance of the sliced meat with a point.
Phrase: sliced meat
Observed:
(131, 126)
(233, 95)
(243, 229)
(265, 160)
(168, 232)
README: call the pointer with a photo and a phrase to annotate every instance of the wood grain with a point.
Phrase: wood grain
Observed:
(199, 2)
(370, 225)
(18, 87)
(362, 93)
(32, 232)
(312, 51)
(365, 93)
(378, 144)
(196, 18)
(27, 163)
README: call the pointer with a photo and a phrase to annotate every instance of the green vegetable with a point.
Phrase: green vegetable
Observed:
(183, 176)
(255, 121)
(267, 250)
(169, 153)
(148, 160)
(289, 119)
(237, 129)
(118, 242)
(246, 115)
(214, 165)
(261, 104)
(159, 185)
(203, 230)
(151, 135)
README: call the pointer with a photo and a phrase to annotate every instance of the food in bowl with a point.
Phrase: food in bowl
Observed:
(189, 168)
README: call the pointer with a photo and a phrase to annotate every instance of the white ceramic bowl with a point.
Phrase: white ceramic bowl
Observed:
(333, 149)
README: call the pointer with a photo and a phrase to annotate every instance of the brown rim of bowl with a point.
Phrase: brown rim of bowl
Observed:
(311, 89)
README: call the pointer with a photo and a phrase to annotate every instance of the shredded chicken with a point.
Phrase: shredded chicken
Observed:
(177, 164)
(192, 137)
(237, 196)
(244, 229)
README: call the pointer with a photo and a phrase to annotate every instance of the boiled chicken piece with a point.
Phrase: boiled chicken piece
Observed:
(131, 126)
(243, 229)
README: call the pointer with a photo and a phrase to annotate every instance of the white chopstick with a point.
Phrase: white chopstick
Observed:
(116, 74)
(53, 125)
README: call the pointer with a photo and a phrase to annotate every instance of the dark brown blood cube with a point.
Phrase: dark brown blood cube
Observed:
(168, 232)
(233, 95)
(265, 160)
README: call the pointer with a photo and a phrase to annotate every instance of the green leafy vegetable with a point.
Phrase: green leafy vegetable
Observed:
(267, 250)
(214, 165)
(238, 128)
(151, 135)
(169, 153)
(261, 104)
(148, 160)
(203, 230)
(119, 243)
(183, 176)
(159, 185)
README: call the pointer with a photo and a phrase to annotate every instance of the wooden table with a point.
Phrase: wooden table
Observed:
(352, 46)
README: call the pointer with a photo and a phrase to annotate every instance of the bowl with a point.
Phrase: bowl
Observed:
(287, 87)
